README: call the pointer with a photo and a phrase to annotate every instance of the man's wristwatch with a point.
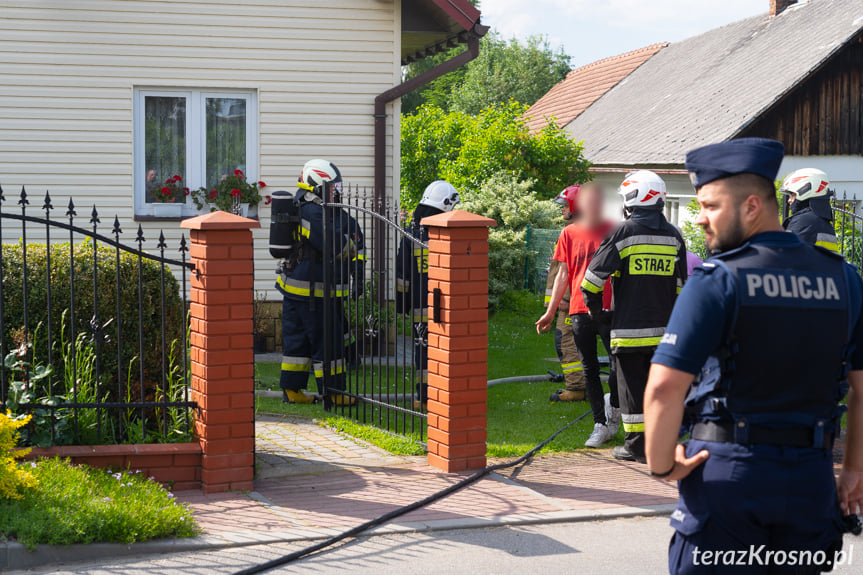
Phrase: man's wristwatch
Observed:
(662, 475)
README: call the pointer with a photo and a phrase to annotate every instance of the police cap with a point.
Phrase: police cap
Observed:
(758, 156)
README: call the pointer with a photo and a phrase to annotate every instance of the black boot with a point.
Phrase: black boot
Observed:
(623, 453)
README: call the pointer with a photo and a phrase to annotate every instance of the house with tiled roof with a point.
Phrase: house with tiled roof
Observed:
(581, 87)
(794, 73)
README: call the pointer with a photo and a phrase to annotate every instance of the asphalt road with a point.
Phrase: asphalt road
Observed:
(625, 546)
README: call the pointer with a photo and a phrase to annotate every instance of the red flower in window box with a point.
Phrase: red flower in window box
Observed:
(177, 178)
(268, 200)
(166, 191)
(232, 187)
(186, 191)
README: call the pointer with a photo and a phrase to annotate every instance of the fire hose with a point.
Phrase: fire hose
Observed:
(353, 532)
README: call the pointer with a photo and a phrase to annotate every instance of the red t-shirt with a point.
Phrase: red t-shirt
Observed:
(575, 248)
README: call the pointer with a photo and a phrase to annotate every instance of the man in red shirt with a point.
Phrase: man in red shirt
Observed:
(575, 248)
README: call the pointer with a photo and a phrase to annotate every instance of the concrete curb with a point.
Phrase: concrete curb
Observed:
(15, 556)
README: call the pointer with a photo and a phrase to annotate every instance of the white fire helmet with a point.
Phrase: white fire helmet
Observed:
(806, 184)
(316, 172)
(441, 195)
(642, 188)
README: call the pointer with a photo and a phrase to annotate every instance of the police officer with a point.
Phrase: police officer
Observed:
(412, 276)
(768, 330)
(564, 340)
(811, 215)
(646, 259)
(302, 287)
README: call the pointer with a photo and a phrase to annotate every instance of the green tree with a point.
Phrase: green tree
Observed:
(509, 70)
(504, 71)
(467, 150)
(514, 205)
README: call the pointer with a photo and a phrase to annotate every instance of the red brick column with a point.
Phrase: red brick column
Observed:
(222, 295)
(458, 343)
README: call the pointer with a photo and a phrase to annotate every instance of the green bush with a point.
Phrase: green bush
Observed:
(467, 150)
(513, 205)
(106, 284)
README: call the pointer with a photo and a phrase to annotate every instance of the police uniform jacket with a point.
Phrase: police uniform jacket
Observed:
(646, 259)
(812, 221)
(306, 280)
(772, 329)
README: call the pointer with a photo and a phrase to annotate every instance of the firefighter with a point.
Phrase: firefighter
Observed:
(646, 259)
(811, 215)
(564, 341)
(774, 328)
(412, 277)
(304, 336)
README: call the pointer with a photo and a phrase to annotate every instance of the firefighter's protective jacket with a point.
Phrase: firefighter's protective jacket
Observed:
(812, 221)
(306, 280)
(646, 259)
(412, 274)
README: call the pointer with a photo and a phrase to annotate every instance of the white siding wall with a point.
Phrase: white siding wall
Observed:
(68, 69)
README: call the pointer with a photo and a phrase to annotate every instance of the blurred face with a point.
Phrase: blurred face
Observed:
(720, 217)
(591, 204)
(792, 198)
(564, 211)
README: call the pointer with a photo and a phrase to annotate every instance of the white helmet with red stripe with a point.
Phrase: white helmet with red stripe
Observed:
(642, 188)
(806, 184)
(318, 172)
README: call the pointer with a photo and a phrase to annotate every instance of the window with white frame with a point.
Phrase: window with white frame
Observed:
(199, 135)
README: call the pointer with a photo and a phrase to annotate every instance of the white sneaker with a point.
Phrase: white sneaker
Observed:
(598, 437)
(612, 417)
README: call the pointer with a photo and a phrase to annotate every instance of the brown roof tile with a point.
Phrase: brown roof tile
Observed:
(583, 86)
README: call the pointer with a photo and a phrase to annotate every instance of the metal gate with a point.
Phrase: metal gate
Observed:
(375, 313)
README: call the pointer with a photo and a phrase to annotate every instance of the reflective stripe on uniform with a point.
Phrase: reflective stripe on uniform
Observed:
(337, 367)
(679, 285)
(295, 363)
(632, 422)
(305, 228)
(571, 367)
(402, 285)
(648, 240)
(642, 332)
(420, 314)
(827, 241)
(303, 288)
(361, 256)
(568, 320)
(592, 282)
(548, 296)
(423, 375)
(645, 337)
(651, 249)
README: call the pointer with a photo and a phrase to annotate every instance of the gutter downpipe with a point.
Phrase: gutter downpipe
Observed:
(380, 115)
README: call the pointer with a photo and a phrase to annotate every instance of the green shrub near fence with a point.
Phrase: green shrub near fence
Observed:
(107, 286)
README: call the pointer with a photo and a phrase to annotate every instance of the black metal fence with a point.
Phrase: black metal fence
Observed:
(377, 307)
(849, 229)
(94, 332)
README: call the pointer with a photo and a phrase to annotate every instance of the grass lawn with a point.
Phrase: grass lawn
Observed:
(520, 415)
(79, 504)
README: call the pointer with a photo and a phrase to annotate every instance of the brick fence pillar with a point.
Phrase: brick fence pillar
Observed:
(222, 352)
(458, 343)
